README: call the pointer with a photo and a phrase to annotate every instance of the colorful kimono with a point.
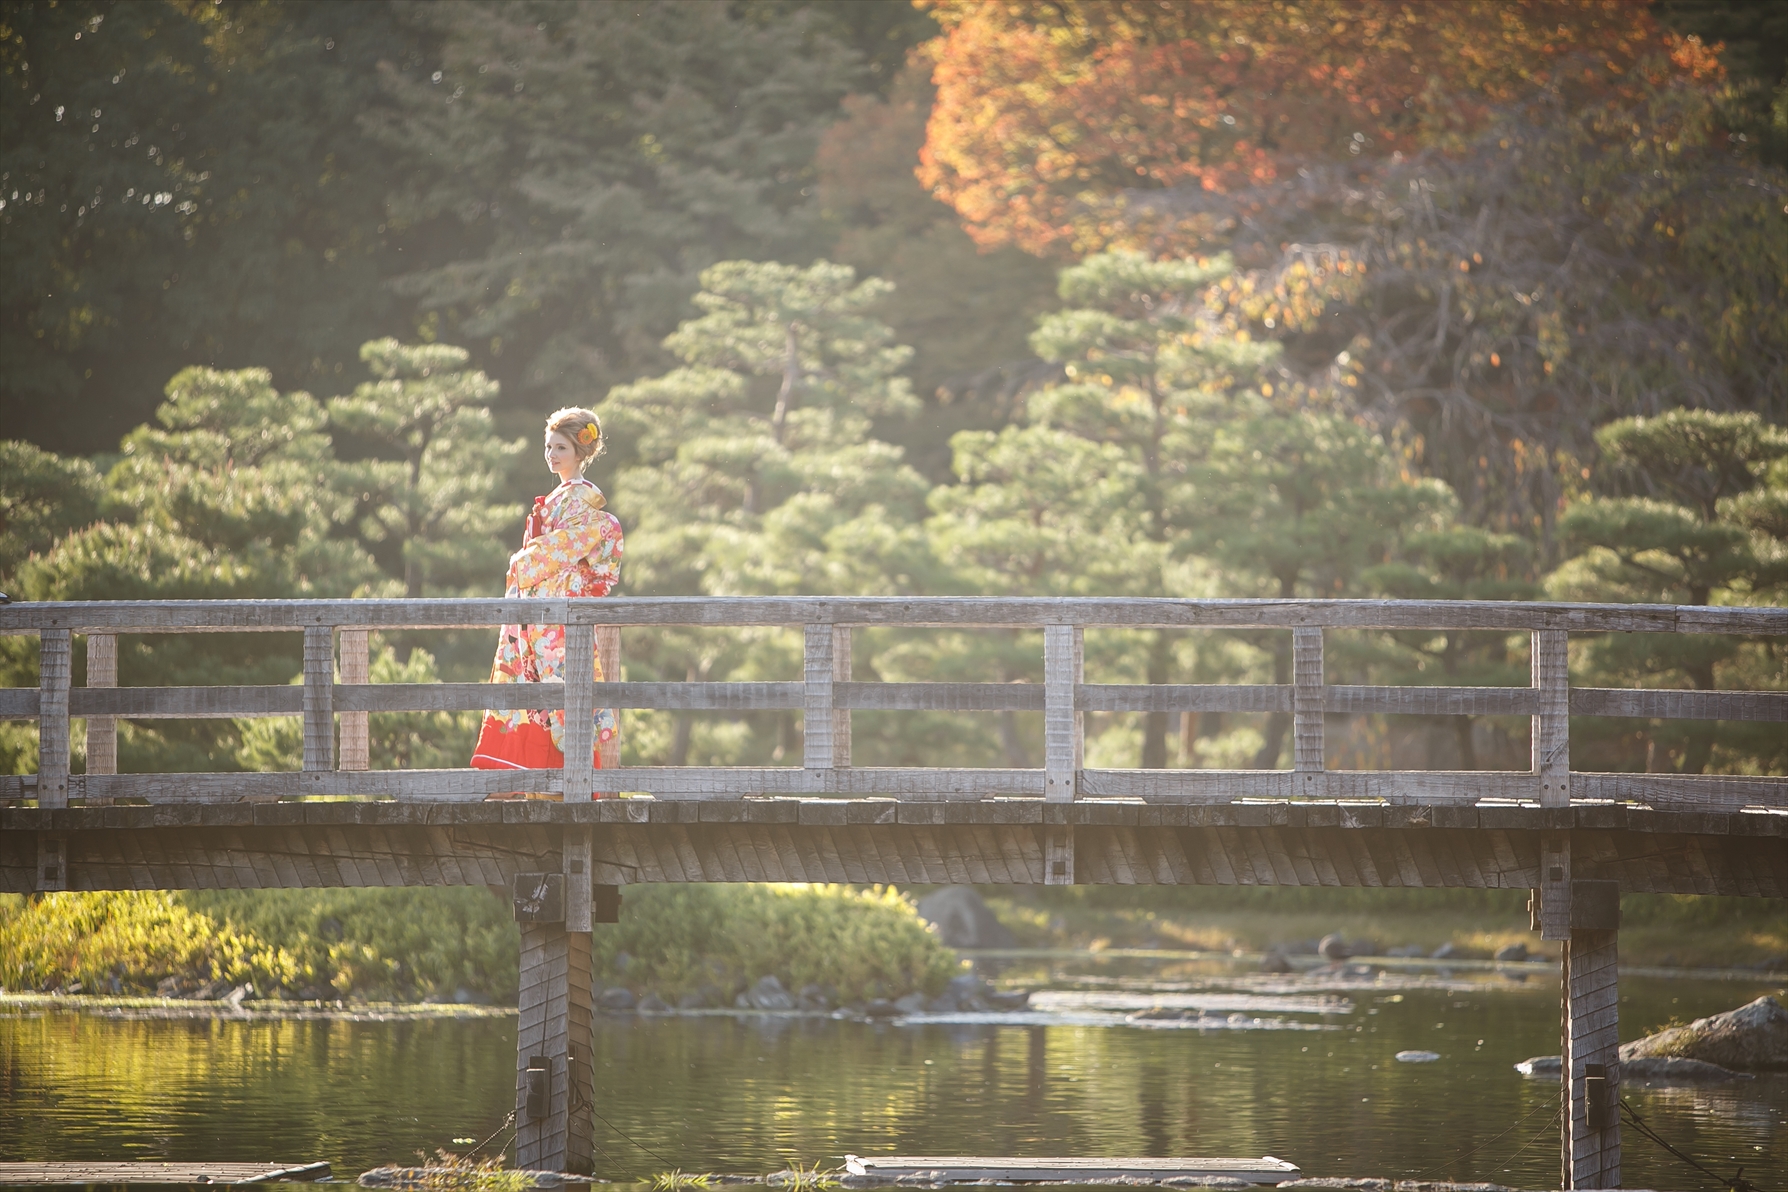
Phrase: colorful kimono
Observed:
(572, 547)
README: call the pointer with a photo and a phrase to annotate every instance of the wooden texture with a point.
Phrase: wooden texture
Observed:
(608, 653)
(1307, 712)
(320, 845)
(319, 690)
(185, 616)
(819, 724)
(53, 666)
(356, 742)
(580, 1055)
(149, 703)
(580, 711)
(129, 1174)
(1680, 705)
(543, 1004)
(970, 1169)
(1554, 885)
(1063, 734)
(1551, 740)
(102, 731)
(1590, 1011)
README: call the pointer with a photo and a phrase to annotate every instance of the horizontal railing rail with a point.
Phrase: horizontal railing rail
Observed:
(1139, 612)
(335, 699)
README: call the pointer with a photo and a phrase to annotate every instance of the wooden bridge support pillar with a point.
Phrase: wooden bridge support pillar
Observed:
(553, 1086)
(1584, 916)
(1590, 1083)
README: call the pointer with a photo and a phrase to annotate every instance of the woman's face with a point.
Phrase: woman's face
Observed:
(561, 456)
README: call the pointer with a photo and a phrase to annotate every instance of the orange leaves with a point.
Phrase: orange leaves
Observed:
(1053, 121)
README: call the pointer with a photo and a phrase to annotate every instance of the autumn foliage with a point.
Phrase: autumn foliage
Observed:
(1051, 119)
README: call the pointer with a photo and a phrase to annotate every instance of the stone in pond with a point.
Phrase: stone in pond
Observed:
(1753, 1036)
(814, 997)
(880, 1007)
(912, 1003)
(1333, 946)
(1275, 962)
(963, 919)
(1516, 952)
(769, 994)
(615, 1001)
(1648, 1070)
(652, 1004)
(1417, 1057)
(1445, 952)
(695, 999)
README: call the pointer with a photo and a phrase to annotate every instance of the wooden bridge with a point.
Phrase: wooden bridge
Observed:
(1575, 839)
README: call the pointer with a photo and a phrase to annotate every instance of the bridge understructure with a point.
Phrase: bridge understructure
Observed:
(1575, 840)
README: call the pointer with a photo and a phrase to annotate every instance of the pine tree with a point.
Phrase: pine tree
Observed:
(1692, 517)
(428, 510)
(752, 467)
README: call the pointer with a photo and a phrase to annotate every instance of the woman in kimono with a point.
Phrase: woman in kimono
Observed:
(572, 547)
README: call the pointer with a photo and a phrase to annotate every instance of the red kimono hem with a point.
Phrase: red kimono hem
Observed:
(525, 747)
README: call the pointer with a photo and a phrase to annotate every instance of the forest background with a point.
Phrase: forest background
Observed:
(1312, 297)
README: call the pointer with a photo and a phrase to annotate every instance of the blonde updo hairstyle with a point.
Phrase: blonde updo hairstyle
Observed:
(582, 427)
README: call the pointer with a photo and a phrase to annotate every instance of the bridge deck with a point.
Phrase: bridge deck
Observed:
(323, 844)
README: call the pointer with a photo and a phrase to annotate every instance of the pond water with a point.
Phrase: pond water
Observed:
(1302, 1067)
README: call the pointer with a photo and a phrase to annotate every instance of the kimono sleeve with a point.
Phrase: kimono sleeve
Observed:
(580, 530)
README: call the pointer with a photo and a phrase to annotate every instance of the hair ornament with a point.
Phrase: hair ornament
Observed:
(589, 434)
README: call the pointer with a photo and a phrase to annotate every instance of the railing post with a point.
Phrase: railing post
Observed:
(54, 646)
(825, 727)
(319, 697)
(1063, 739)
(356, 743)
(580, 712)
(102, 731)
(1552, 723)
(1307, 713)
(608, 658)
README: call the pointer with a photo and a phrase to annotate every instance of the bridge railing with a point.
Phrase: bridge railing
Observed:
(826, 695)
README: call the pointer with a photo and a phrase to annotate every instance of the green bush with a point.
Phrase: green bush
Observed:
(126, 942)
(864, 943)
(383, 944)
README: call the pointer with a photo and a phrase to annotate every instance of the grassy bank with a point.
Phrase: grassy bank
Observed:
(1656, 929)
(459, 944)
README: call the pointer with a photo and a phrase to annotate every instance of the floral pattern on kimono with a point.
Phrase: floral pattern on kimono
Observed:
(572, 548)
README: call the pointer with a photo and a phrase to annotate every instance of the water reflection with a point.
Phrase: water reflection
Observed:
(752, 1094)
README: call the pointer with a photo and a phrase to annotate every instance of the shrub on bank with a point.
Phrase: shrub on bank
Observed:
(126, 942)
(443, 944)
(402, 944)
(674, 939)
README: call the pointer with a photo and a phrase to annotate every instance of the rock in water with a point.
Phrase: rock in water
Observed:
(652, 1004)
(912, 1003)
(769, 994)
(1417, 1057)
(1333, 946)
(1752, 1036)
(1275, 962)
(615, 1001)
(963, 919)
(1512, 952)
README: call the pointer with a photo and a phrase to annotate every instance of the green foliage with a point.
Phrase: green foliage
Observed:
(679, 938)
(1710, 534)
(42, 498)
(127, 942)
(380, 944)
(426, 506)
(187, 183)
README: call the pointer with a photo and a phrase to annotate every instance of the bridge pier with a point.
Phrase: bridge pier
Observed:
(555, 1028)
(1584, 916)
